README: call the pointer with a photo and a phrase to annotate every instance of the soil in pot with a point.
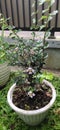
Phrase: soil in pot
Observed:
(40, 97)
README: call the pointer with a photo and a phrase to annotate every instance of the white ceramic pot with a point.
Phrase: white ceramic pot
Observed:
(32, 117)
(4, 73)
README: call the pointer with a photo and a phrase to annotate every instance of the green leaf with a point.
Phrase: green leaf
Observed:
(49, 19)
(2, 55)
(54, 12)
(33, 4)
(52, 2)
(34, 13)
(45, 10)
(41, 2)
(43, 17)
(42, 26)
(34, 20)
(2, 127)
(45, 75)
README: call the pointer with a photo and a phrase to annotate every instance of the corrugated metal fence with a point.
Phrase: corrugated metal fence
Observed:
(20, 13)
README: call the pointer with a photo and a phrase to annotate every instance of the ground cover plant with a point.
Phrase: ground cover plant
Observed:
(10, 121)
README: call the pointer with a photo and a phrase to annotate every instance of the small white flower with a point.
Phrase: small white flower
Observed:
(30, 70)
(31, 94)
(33, 4)
(16, 49)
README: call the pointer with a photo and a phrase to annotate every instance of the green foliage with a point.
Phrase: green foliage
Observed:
(20, 79)
(45, 75)
(31, 53)
(44, 16)
(50, 2)
(3, 23)
(28, 53)
(2, 127)
(3, 45)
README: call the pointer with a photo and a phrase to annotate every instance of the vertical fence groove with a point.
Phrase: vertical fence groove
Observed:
(6, 10)
(57, 7)
(0, 7)
(23, 9)
(43, 14)
(18, 13)
(49, 21)
(36, 11)
(12, 11)
(30, 13)
(49, 25)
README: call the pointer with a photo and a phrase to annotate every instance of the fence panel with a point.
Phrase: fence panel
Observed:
(20, 12)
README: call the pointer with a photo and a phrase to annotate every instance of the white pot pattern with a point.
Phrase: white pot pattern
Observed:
(4, 73)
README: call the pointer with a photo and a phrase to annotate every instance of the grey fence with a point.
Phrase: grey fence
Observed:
(20, 13)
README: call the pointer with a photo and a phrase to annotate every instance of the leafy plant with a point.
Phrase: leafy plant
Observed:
(3, 45)
(30, 54)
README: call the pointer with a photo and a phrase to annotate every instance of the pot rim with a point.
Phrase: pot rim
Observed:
(31, 112)
(4, 63)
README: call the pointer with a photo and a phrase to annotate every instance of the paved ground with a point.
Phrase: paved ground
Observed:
(27, 34)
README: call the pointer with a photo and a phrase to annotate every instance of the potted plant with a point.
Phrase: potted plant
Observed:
(31, 96)
(4, 68)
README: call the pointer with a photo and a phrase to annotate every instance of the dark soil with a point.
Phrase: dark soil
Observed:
(22, 100)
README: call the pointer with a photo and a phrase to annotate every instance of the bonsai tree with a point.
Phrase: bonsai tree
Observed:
(31, 55)
(30, 92)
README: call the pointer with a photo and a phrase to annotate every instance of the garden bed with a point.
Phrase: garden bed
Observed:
(10, 121)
